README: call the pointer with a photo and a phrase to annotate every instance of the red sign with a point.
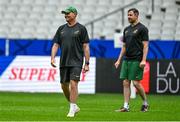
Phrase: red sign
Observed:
(146, 76)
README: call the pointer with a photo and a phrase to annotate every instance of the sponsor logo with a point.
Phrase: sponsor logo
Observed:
(167, 78)
(37, 74)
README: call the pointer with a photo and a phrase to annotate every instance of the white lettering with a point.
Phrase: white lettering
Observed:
(170, 86)
(158, 85)
(158, 70)
(170, 70)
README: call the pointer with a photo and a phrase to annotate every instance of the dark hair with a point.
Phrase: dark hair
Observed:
(135, 11)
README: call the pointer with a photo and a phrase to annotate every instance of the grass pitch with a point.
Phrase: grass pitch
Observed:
(98, 107)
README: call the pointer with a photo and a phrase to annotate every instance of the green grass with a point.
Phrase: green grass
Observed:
(98, 107)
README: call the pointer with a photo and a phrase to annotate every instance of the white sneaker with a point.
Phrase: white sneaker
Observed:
(77, 109)
(73, 112)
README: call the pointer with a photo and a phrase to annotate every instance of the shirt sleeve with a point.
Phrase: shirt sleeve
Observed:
(124, 36)
(144, 34)
(84, 35)
(56, 38)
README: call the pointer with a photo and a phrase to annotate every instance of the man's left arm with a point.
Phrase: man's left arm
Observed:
(145, 52)
(87, 56)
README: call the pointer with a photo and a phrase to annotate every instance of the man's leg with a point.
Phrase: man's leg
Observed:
(142, 93)
(74, 79)
(126, 92)
(73, 98)
(65, 88)
(140, 89)
(64, 74)
(126, 86)
(73, 91)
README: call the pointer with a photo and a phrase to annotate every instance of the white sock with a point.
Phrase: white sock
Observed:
(72, 106)
(126, 105)
(145, 102)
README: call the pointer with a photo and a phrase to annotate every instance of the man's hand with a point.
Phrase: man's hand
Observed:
(142, 64)
(116, 64)
(86, 68)
(53, 64)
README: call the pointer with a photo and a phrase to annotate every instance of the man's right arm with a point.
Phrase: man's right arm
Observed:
(123, 50)
(53, 53)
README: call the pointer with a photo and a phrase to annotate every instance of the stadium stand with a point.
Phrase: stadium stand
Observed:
(41, 18)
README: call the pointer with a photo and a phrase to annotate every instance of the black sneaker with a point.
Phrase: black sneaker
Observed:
(122, 110)
(144, 108)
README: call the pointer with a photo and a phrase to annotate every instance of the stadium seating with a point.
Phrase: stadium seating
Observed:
(41, 18)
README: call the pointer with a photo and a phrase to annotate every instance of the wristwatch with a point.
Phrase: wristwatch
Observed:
(87, 62)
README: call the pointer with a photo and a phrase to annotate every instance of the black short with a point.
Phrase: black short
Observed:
(70, 73)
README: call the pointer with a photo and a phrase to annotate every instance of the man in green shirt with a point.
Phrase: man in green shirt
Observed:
(134, 53)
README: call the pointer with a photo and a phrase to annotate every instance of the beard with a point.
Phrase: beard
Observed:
(131, 21)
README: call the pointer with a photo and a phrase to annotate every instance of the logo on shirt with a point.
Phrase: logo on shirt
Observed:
(77, 76)
(126, 32)
(135, 31)
(62, 32)
(76, 32)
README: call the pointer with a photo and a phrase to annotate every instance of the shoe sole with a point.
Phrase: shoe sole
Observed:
(145, 110)
(70, 116)
(120, 111)
(77, 110)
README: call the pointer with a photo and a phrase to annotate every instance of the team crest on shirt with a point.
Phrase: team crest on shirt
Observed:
(135, 31)
(62, 32)
(126, 31)
(76, 32)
